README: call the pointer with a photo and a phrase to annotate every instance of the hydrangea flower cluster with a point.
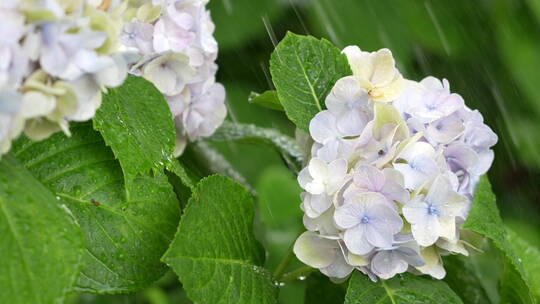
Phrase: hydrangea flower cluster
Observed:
(392, 173)
(178, 51)
(55, 57)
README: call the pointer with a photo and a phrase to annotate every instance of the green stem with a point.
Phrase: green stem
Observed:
(280, 269)
(297, 273)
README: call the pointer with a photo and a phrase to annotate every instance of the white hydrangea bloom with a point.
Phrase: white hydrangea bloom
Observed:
(394, 164)
(54, 63)
(59, 55)
(174, 39)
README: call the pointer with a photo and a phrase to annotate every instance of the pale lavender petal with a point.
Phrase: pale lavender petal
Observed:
(386, 264)
(378, 236)
(338, 269)
(356, 241)
(395, 192)
(322, 127)
(349, 215)
(368, 178)
(304, 177)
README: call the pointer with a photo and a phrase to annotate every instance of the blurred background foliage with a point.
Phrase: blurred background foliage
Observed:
(489, 50)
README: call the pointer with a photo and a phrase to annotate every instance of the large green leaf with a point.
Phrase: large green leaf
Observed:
(304, 69)
(403, 289)
(127, 224)
(485, 220)
(529, 256)
(136, 123)
(40, 243)
(214, 251)
(463, 279)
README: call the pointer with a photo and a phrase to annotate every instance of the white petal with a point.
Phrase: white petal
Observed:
(318, 169)
(324, 224)
(455, 246)
(318, 204)
(426, 233)
(431, 82)
(314, 250)
(439, 191)
(433, 264)
(357, 260)
(304, 177)
(35, 104)
(383, 68)
(415, 211)
(322, 127)
(360, 62)
(447, 227)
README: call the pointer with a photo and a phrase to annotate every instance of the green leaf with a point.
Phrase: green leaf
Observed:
(127, 223)
(485, 220)
(304, 69)
(214, 252)
(529, 255)
(268, 99)
(286, 145)
(462, 278)
(403, 289)
(40, 243)
(136, 123)
(188, 178)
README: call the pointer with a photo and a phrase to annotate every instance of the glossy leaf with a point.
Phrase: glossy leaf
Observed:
(462, 278)
(40, 243)
(485, 220)
(214, 251)
(136, 123)
(304, 69)
(403, 289)
(127, 223)
(529, 256)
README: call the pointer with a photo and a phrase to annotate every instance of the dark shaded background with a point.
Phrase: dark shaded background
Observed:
(489, 50)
